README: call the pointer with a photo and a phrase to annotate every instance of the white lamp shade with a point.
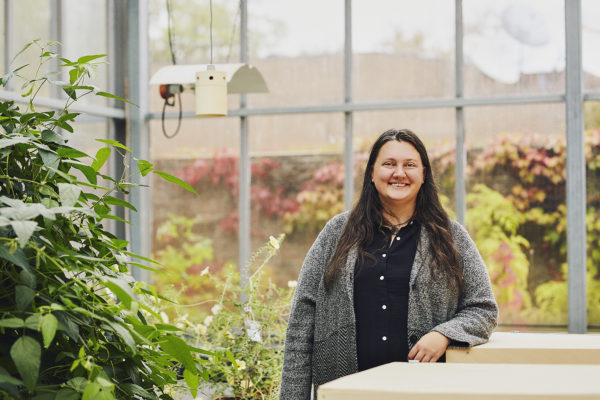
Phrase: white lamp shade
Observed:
(241, 78)
(211, 93)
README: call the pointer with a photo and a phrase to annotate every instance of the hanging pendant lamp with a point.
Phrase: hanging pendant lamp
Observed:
(211, 92)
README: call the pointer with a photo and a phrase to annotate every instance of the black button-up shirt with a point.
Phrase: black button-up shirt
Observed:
(381, 297)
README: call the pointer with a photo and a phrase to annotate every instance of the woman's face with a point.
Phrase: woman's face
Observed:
(398, 174)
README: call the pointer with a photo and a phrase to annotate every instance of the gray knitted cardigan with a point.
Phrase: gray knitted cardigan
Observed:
(321, 336)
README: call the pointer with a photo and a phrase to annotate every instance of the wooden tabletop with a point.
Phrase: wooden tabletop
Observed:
(532, 348)
(467, 381)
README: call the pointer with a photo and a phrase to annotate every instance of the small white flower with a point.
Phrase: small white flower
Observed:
(164, 317)
(292, 284)
(205, 271)
(208, 320)
(201, 329)
(274, 242)
(240, 364)
(216, 309)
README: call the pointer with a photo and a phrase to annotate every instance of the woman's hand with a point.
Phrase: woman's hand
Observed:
(429, 348)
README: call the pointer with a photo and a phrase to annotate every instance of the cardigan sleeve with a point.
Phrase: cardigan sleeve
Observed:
(477, 313)
(296, 377)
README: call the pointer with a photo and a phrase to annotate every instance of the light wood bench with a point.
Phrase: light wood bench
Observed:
(532, 348)
(425, 381)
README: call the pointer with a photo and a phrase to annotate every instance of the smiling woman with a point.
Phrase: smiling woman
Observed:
(392, 280)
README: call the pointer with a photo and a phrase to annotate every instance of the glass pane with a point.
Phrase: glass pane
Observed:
(516, 207)
(192, 232)
(84, 33)
(297, 183)
(37, 26)
(399, 46)
(513, 47)
(301, 65)
(435, 127)
(592, 153)
(590, 15)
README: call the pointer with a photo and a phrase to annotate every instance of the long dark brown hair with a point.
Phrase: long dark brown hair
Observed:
(367, 216)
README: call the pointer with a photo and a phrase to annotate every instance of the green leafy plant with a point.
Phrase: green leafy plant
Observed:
(244, 331)
(73, 322)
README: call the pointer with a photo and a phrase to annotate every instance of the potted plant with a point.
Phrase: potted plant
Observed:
(73, 323)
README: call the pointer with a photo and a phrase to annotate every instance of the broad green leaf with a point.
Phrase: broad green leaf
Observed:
(121, 289)
(49, 324)
(143, 266)
(10, 380)
(67, 152)
(74, 74)
(101, 209)
(34, 322)
(71, 93)
(67, 62)
(114, 143)
(133, 389)
(64, 125)
(12, 141)
(27, 278)
(26, 354)
(118, 202)
(23, 297)
(90, 173)
(49, 158)
(81, 87)
(48, 191)
(87, 59)
(68, 194)
(90, 391)
(101, 157)
(179, 350)
(119, 243)
(125, 335)
(12, 323)
(77, 383)
(52, 137)
(23, 230)
(145, 167)
(66, 394)
(112, 96)
(175, 180)
(68, 117)
(142, 258)
(114, 217)
(17, 258)
(24, 48)
(28, 93)
(192, 380)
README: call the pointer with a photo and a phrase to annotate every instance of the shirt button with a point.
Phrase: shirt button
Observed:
(398, 238)
(384, 306)
(383, 255)
(381, 278)
(384, 338)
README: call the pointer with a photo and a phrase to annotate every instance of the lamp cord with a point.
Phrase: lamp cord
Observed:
(169, 29)
(211, 39)
(162, 117)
